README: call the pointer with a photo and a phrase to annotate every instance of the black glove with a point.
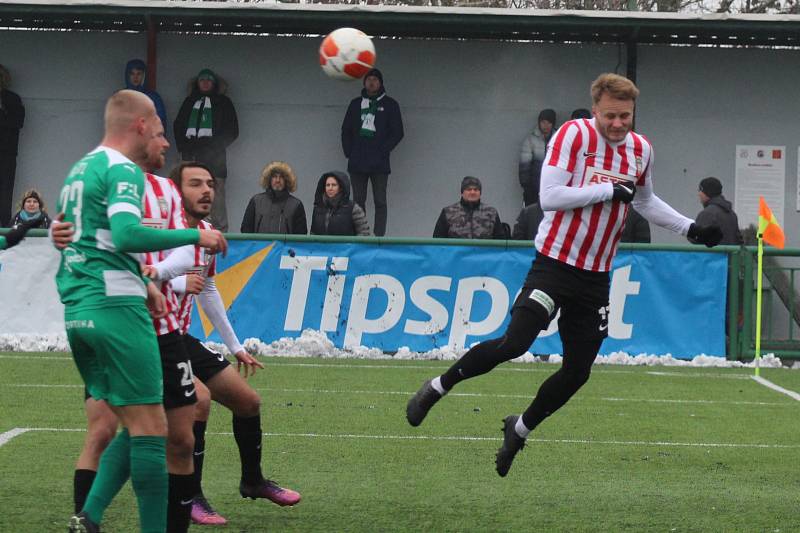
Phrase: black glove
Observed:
(18, 232)
(623, 192)
(708, 235)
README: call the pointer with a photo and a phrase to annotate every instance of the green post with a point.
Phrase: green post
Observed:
(734, 264)
(747, 306)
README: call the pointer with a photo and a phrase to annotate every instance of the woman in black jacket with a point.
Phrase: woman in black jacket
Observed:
(276, 210)
(31, 208)
(334, 212)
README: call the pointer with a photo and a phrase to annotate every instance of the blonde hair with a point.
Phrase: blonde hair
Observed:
(617, 87)
(282, 169)
(32, 193)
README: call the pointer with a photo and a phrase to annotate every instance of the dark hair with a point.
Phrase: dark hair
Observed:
(176, 174)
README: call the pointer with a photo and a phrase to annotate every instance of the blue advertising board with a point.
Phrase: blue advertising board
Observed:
(424, 296)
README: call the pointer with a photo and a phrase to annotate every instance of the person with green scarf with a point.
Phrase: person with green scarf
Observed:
(204, 128)
(372, 128)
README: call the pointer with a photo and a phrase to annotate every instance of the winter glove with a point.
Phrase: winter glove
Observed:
(623, 192)
(708, 235)
(18, 232)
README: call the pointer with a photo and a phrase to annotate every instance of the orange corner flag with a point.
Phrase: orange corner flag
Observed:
(768, 228)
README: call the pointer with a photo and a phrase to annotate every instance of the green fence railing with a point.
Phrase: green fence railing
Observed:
(780, 281)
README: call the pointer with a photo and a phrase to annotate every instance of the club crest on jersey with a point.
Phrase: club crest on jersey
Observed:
(596, 176)
(638, 166)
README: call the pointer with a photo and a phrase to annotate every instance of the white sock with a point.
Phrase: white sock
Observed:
(521, 429)
(436, 383)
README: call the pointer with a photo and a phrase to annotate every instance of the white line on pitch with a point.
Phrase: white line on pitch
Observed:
(10, 434)
(771, 385)
(455, 394)
(479, 439)
(550, 368)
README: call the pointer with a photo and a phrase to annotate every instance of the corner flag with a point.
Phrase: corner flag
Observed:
(768, 227)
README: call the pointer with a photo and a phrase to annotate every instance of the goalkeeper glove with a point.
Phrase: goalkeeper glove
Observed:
(708, 235)
(623, 192)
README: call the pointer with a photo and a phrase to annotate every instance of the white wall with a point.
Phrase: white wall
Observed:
(466, 107)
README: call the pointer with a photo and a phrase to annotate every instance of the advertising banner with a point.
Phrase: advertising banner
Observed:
(427, 296)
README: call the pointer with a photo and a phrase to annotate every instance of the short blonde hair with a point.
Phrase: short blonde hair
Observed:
(618, 87)
(282, 169)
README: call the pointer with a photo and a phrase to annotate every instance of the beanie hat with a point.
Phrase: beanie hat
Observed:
(207, 74)
(711, 187)
(547, 114)
(374, 72)
(471, 181)
(580, 113)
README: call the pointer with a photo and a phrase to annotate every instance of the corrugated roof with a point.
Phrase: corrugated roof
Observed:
(404, 21)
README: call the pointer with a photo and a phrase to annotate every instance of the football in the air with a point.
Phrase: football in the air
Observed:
(346, 54)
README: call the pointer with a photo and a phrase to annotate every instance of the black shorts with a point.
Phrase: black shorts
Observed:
(178, 375)
(580, 295)
(205, 363)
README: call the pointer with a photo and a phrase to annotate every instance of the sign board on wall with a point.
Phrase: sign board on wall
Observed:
(760, 171)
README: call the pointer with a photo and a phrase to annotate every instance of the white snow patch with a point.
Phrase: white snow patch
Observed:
(313, 343)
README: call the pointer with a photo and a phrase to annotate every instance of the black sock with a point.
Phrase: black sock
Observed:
(199, 455)
(525, 325)
(179, 502)
(247, 432)
(81, 484)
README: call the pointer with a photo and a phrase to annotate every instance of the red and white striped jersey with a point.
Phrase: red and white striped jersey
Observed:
(586, 237)
(163, 210)
(205, 265)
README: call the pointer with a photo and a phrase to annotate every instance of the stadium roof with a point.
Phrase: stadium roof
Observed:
(403, 21)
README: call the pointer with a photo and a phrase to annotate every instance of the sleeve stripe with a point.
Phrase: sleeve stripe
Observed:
(123, 207)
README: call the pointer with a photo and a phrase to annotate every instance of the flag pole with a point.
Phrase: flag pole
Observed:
(757, 359)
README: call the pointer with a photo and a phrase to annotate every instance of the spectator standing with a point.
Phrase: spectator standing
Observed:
(637, 229)
(276, 210)
(580, 113)
(371, 129)
(334, 213)
(31, 211)
(532, 154)
(204, 128)
(718, 211)
(136, 79)
(469, 218)
(12, 117)
(527, 223)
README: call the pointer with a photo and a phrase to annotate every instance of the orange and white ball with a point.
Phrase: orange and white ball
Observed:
(347, 54)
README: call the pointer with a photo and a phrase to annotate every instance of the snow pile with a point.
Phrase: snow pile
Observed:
(56, 342)
(312, 343)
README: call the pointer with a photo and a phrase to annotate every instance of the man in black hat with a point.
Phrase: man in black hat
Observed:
(469, 218)
(371, 128)
(531, 155)
(717, 211)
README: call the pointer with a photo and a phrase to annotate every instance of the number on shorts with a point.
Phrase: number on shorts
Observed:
(188, 376)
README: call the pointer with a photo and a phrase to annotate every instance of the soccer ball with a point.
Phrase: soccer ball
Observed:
(346, 54)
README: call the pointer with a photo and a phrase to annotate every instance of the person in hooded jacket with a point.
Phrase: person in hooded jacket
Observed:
(135, 80)
(204, 128)
(371, 129)
(469, 218)
(276, 210)
(12, 118)
(31, 211)
(334, 212)
(718, 211)
(532, 153)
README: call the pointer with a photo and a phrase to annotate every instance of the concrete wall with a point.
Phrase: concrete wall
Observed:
(466, 105)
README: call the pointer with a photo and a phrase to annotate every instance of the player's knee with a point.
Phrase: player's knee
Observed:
(577, 377)
(249, 404)
(180, 444)
(202, 408)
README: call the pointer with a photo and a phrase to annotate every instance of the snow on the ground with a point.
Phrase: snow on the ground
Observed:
(313, 343)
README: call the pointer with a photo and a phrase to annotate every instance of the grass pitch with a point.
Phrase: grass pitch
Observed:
(637, 449)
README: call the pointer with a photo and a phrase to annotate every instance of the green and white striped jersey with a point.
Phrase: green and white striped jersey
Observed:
(92, 273)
